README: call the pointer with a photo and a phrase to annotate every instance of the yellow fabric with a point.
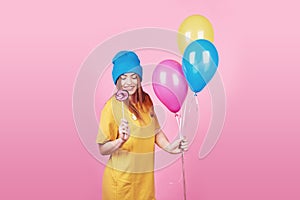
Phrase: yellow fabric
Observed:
(129, 171)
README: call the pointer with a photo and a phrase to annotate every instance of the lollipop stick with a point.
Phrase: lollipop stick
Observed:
(123, 110)
(122, 95)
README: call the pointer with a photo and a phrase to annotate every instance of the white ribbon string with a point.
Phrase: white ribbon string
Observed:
(179, 123)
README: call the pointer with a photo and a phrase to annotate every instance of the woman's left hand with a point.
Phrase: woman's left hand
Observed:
(178, 146)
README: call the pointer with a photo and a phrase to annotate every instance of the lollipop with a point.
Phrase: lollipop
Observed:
(122, 95)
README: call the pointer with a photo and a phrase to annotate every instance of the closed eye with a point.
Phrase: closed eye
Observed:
(123, 77)
(134, 76)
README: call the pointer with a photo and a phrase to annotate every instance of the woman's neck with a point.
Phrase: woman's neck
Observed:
(133, 98)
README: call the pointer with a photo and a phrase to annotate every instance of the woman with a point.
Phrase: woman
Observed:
(128, 133)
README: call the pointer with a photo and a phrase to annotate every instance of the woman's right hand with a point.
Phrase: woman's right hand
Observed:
(111, 146)
(124, 131)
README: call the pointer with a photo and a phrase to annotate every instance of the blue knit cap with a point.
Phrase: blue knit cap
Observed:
(125, 62)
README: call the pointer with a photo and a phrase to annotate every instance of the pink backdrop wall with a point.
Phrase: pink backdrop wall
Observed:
(42, 46)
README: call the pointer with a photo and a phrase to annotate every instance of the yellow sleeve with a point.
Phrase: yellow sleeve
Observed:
(108, 128)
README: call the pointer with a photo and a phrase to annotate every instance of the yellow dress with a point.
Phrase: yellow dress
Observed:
(129, 171)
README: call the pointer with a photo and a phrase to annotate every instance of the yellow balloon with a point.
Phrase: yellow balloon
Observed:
(193, 28)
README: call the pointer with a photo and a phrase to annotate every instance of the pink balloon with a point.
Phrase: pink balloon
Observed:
(169, 84)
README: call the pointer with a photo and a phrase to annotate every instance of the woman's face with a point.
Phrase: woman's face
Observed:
(129, 82)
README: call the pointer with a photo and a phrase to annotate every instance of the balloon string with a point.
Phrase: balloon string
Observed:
(183, 174)
(182, 154)
(196, 99)
(183, 115)
(179, 123)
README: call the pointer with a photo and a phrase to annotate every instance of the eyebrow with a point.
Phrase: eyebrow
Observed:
(129, 75)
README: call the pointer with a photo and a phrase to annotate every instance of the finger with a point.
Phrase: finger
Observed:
(128, 133)
(124, 121)
(122, 130)
(184, 139)
(184, 143)
(124, 126)
(185, 148)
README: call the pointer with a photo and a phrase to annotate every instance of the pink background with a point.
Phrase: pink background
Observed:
(42, 45)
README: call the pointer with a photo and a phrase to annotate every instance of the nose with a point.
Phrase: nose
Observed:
(128, 80)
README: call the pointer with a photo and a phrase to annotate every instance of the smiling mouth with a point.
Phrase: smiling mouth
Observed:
(129, 88)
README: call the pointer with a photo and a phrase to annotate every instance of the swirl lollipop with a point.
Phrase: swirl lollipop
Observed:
(122, 95)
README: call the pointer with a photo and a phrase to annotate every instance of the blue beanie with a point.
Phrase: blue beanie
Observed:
(125, 62)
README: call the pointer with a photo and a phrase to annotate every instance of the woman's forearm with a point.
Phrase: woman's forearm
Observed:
(162, 141)
(175, 147)
(111, 146)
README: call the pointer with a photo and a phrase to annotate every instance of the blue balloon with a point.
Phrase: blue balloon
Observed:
(199, 63)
